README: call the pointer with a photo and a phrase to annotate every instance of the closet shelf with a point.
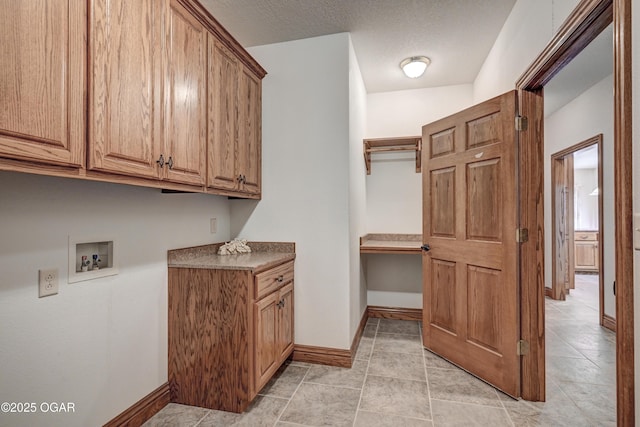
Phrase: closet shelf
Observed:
(391, 244)
(379, 145)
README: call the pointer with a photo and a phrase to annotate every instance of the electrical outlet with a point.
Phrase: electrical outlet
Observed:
(47, 282)
(214, 225)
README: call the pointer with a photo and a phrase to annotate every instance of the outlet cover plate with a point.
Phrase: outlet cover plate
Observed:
(47, 282)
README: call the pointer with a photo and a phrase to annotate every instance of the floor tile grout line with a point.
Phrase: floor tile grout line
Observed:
(366, 373)
(426, 376)
(291, 398)
(203, 417)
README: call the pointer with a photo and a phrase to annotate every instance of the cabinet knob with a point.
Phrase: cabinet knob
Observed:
(170, 162)
(281, 303)
(160, 161)
(280, 278)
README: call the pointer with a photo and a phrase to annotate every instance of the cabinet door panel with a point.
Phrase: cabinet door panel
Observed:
(266, 320)
(42, 57)
(285, 322)
(249, 131)
(125, 91)
(223, 117)
(185, 121)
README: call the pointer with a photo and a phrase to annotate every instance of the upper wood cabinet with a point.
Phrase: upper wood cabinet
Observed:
(144, 55)
(235, 114)
(146, 92)
(223, 117)
(42, 80)
(186, 103)
(125, 92)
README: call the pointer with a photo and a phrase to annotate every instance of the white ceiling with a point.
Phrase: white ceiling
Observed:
(455, 34)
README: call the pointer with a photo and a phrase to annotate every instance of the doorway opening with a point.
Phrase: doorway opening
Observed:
(577, 216)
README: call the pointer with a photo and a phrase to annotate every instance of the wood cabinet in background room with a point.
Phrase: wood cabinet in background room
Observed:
(146, 55)
(42, 69)
(235, 104)
(586, 251)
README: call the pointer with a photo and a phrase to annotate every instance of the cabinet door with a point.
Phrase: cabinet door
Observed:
(586, 254)
(285, 322)
(126, 43)
(266, 320)
(42, 79)
(186, 112)
(250, 131)
(223, 117)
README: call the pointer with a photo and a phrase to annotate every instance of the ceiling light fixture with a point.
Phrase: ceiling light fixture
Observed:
(415, 66)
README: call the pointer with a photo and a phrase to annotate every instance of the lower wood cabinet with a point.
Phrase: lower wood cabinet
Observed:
(587, 256)
(229, 332)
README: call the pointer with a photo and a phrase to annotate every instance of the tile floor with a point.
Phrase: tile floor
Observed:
(394, 382)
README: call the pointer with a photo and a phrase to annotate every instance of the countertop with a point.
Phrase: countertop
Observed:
(263, 256)
(391, 244)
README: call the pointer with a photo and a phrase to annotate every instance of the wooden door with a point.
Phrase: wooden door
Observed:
(470, 281)
(125, 90)
(285, 321)
(249, 131)
(266, 320)
(223, 117)
(42, 79)
(185, 91)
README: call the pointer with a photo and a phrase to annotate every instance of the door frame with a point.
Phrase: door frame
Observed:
(587, 20)
(556, 291)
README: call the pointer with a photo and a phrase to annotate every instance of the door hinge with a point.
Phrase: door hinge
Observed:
(522, 235)
(522, 123)
(522, 348)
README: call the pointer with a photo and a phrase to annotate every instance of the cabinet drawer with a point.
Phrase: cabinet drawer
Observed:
(586, 236)
(270, 280)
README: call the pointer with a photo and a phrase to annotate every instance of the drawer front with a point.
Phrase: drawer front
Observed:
(271, 280)
(586, 236)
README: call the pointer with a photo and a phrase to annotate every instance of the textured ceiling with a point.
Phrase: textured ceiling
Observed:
(455, 34)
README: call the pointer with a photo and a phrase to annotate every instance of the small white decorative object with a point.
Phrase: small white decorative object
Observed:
(236, 246)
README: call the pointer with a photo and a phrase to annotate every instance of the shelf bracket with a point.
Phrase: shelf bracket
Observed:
(380, 145)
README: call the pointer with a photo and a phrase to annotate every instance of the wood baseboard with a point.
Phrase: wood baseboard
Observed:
(322, 355)
(344, 358)
(548, 292)
(609, 322)
(356, 338)
(143, 409)
(395, 313)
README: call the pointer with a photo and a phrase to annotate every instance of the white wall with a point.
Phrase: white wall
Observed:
(394, 189)
(101, 344)
(528, 29)
(586, 205)
(586, 116)
(357, 190)
(306, 180)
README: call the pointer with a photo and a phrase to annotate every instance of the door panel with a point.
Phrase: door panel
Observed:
(470, 314)
(186, 97)
(124, 127)
(223, 117)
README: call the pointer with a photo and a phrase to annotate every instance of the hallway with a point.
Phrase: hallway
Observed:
(395, 382)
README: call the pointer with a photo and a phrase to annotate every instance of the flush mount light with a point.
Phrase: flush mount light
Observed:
(415, 66)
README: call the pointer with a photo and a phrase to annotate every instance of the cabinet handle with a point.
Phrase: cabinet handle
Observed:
(160, 161)
(281, 303)
(240, 178)
(170, 162)
(280, 279)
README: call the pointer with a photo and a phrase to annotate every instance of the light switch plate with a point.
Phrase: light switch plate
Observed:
(636, 231)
